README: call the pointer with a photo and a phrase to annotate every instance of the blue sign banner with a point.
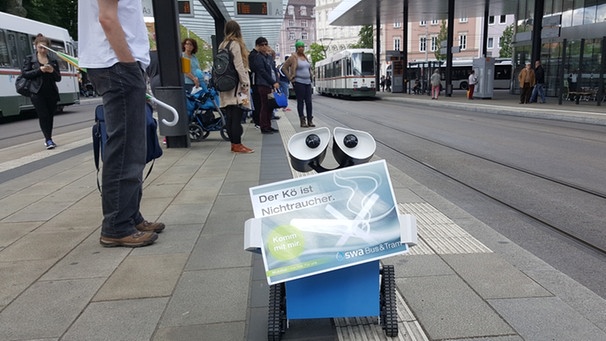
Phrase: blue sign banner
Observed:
(327, 221)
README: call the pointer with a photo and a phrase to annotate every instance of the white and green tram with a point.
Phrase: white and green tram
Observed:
(16, 42)
(348, 73)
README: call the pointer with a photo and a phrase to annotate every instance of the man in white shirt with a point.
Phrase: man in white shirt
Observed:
(471, 83)
(114, 48)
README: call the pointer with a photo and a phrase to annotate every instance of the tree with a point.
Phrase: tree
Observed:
(366, 38)
(204, 54)
(505, 43)
(13, 7)
(317, 53)
(62, 13)
(442, 37)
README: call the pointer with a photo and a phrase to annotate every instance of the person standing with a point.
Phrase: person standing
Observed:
(190, 47)
(472, 80)
(114, 48)
(271, 58)
(527, 80)
(388, 83)
(265, 80)
(235, 102)
(298, 69)
(284, 82)
(539, 88)
(43, 71)
(436, 80)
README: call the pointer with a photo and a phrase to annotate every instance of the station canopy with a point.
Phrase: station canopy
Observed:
(257, 18)
(364, 12)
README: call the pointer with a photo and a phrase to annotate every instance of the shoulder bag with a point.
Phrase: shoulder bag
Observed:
(22, 86)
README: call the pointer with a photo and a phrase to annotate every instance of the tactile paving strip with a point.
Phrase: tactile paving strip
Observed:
(438, 234)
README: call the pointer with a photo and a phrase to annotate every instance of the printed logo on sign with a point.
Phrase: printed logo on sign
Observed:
(354, 253)
(340, 256)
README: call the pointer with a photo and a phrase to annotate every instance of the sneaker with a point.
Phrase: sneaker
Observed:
(147, 226)
(274, 130)
(137, 239)
(275, 117)
(50, 144)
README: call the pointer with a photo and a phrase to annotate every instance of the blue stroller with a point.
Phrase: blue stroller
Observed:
(201, 108)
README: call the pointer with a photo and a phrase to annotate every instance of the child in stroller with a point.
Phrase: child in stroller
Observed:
(202, 103)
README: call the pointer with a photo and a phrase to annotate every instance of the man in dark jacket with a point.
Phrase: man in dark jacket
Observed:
(264, 80)
(539, 88)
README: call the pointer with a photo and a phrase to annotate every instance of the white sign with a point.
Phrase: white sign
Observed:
(148, 9)
(328, 221)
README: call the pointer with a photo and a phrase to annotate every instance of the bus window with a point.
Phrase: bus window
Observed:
(363, 64)
(5, 60)
(12, 50)
(58, 46)
(338, 69)
(24, 47)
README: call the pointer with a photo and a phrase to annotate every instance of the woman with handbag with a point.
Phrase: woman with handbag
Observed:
(234, 102)
(298, 69)
(43, 72)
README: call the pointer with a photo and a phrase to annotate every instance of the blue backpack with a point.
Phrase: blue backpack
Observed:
(154, 150)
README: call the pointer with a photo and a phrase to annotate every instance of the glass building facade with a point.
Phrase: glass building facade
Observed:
(573, 46)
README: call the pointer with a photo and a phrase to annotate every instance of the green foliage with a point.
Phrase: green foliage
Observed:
(442, 36)
(505, 44)
(205, 53)
(317, 53)
(62, 13)
(366, 38)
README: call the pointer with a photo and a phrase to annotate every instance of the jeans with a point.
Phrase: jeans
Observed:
(284, 88)
(303, 92)
(123, 89)
(539, 90)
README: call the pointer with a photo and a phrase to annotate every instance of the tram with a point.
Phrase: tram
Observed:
(460, 69)
(348, 73)
(16, 42)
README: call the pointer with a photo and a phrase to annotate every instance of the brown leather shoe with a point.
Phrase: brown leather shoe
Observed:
(147, 226)
(134, 240)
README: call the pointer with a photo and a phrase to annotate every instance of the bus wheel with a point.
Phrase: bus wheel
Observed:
(464, 86)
